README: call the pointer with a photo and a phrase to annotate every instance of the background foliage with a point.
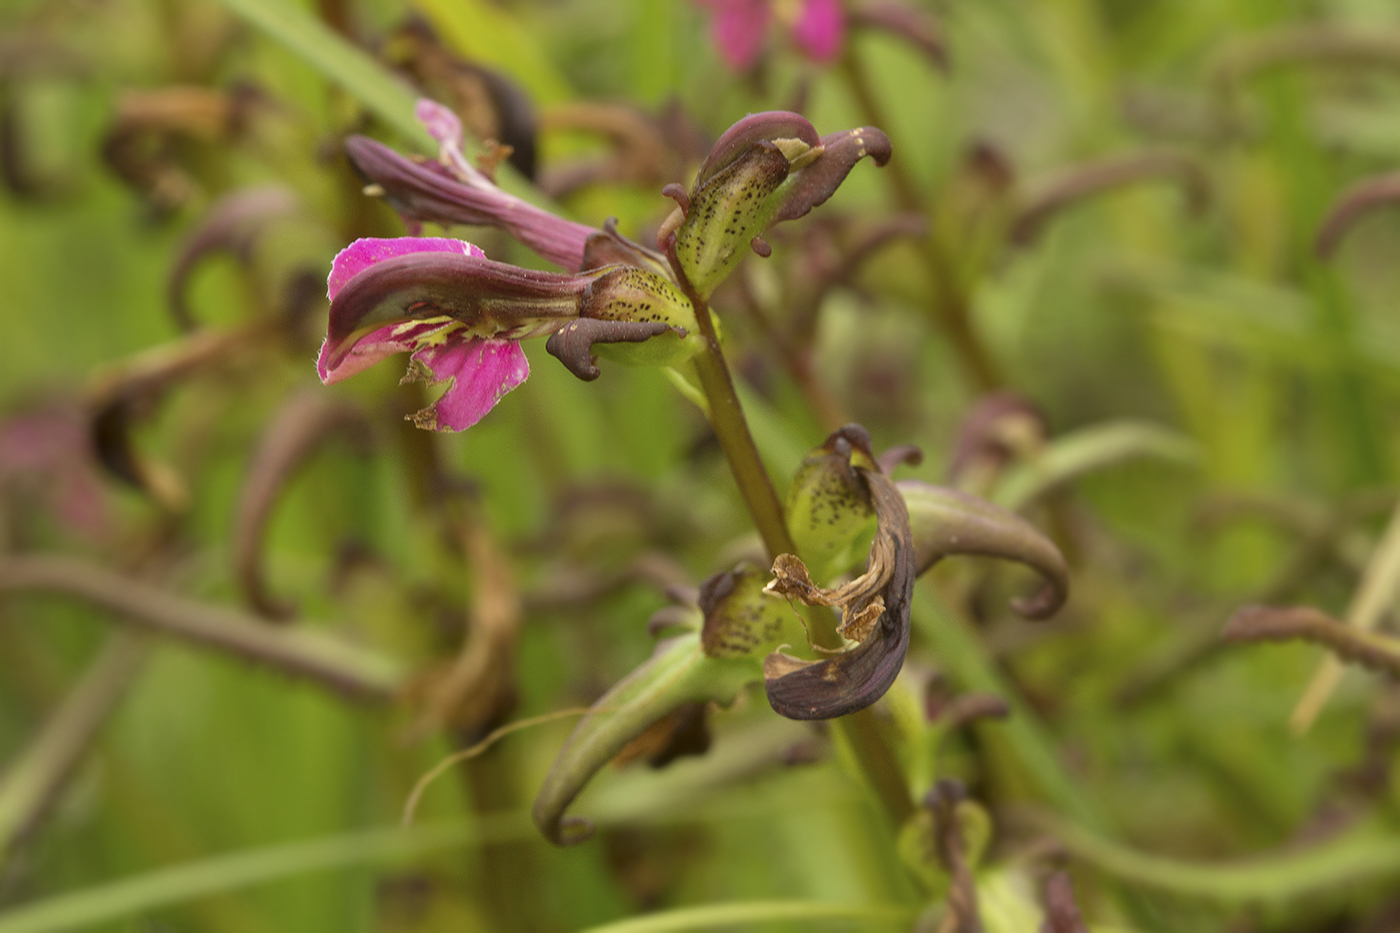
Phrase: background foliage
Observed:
(1121, 199)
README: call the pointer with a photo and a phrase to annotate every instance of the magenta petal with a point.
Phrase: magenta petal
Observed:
(738, 30)
(440, 122)
(482, 372)
(367, 251)
(821, 29)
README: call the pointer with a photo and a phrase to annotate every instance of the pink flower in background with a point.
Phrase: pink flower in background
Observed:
(739, 28)
(480, 369)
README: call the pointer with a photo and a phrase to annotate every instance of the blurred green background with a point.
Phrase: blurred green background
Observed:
(1119, 199)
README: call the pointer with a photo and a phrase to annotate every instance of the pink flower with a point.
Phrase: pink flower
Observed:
(478, 369)
(739, 27)
(461, 316)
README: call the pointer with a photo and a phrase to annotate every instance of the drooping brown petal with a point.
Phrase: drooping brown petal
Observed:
(875, 612)
(573, 343)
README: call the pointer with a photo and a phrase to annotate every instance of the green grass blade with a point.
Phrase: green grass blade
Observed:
(167, 886)
(352, 68)
(720, 916)
(1337, 865)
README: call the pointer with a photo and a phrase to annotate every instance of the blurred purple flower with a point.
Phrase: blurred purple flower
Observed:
(739, 27)
(46, 459)
(480, 370)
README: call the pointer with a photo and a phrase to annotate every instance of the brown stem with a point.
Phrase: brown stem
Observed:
(353, 671)
(949, 304)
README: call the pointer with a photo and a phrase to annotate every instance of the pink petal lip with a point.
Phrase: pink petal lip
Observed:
(384, 342)
(336, 364)
(481, 372)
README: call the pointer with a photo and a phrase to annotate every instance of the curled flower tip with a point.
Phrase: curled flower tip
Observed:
(840, 152)
(947, 521)
(440, 122)
(573, 343)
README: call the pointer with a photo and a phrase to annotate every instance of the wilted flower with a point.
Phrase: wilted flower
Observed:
(739, 27)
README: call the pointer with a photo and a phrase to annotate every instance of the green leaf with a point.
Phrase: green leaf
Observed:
(1088, 450)
(679, 672)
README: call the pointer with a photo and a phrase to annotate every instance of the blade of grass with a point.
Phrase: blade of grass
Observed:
(164, 887)
(1089, 450)
(1337, 865)
(359, 74)
(351, 68)
(1375, 594)
(748, 913)
(35, 778)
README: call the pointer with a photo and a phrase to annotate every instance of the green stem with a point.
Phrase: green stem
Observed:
(860, 731)
(727, 419)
